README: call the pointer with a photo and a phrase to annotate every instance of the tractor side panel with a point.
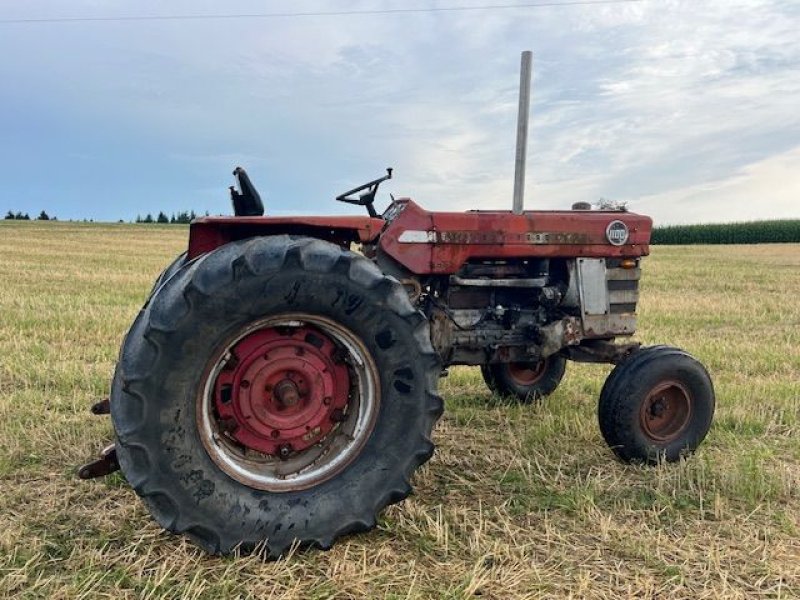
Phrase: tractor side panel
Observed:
(440, 243)
(208, 233)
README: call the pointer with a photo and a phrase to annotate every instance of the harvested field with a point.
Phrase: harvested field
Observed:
(518, 501)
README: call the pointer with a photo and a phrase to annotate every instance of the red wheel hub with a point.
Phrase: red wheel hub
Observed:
(666, 411)
(282, 390)
(527, 373)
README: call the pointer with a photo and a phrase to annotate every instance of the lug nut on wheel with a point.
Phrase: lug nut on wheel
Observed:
(284, 451)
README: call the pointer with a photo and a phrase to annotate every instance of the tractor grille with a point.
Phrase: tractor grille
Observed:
(623, 287)
(608, 295)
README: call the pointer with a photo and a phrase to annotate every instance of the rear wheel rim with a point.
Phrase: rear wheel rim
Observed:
(666, 412)
(288, 402)
(527, 373)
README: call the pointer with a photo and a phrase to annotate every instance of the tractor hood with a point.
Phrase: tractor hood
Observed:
(441, 242)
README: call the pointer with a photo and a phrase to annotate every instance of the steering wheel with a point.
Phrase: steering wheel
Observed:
(367, 198)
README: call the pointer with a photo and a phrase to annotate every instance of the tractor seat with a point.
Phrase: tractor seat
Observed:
(246, 201)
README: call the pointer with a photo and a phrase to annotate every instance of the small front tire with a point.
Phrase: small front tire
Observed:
(525, 381)
(656, 405)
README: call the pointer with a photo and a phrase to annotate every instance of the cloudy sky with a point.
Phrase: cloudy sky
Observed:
(687, 110)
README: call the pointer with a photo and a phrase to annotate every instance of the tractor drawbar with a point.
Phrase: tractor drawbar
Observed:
(107, 461)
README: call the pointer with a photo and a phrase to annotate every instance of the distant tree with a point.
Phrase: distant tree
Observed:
(10, 215)
(192, 216)
(162, 218)
(148, 218)
(43, 216)
(22, 217)
(172, 218)
(138, 218)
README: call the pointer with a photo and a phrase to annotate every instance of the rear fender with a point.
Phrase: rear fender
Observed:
(208, 233)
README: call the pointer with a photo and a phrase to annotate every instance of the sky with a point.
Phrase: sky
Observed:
(686, 110)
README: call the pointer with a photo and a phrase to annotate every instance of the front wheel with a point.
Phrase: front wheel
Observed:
(525, 381)
(658, 404)
(274, 391)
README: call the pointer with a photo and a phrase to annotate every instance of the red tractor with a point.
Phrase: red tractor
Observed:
(278, 387)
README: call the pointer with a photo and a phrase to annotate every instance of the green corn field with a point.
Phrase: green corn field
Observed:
(752, 232)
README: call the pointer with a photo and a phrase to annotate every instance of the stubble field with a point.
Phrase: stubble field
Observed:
(517, 502)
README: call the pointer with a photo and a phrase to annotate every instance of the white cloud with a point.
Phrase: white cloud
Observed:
(674, 105)
(768, 188)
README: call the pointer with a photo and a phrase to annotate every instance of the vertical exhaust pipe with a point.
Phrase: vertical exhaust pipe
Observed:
(522, 131)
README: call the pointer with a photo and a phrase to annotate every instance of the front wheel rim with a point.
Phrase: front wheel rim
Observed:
(288, 402)
(666, 412)
(527, 373)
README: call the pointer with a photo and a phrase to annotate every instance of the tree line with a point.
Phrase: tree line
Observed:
(18, 216)
(184, 217)
(181, 217)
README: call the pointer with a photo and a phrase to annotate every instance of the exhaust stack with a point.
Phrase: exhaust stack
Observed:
(522, 131)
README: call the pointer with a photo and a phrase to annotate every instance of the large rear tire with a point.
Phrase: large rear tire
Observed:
(525, 382)
(275, 391)
(656, 405)
(171, 269)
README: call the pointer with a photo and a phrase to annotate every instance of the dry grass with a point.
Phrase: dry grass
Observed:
(518, 502)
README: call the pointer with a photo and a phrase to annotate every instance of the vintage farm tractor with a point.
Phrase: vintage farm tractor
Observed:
(279, 387)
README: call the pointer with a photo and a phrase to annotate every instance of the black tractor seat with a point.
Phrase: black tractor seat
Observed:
(246, 200)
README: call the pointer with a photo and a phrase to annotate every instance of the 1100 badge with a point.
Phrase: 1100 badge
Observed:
(617, 233)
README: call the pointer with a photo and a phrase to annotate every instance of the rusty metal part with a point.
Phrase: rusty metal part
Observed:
(300, 370)
(106, 464)
(666, 412)
(287, 393)
(282, 389)
(413, 288)
(601, 351)
(606, 295)
(560, 334)
(605, 326)
(102, 407)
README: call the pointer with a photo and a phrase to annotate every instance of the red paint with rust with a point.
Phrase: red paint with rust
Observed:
(502, 234)
(208, 233)
(282, 388)
(459, 237)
